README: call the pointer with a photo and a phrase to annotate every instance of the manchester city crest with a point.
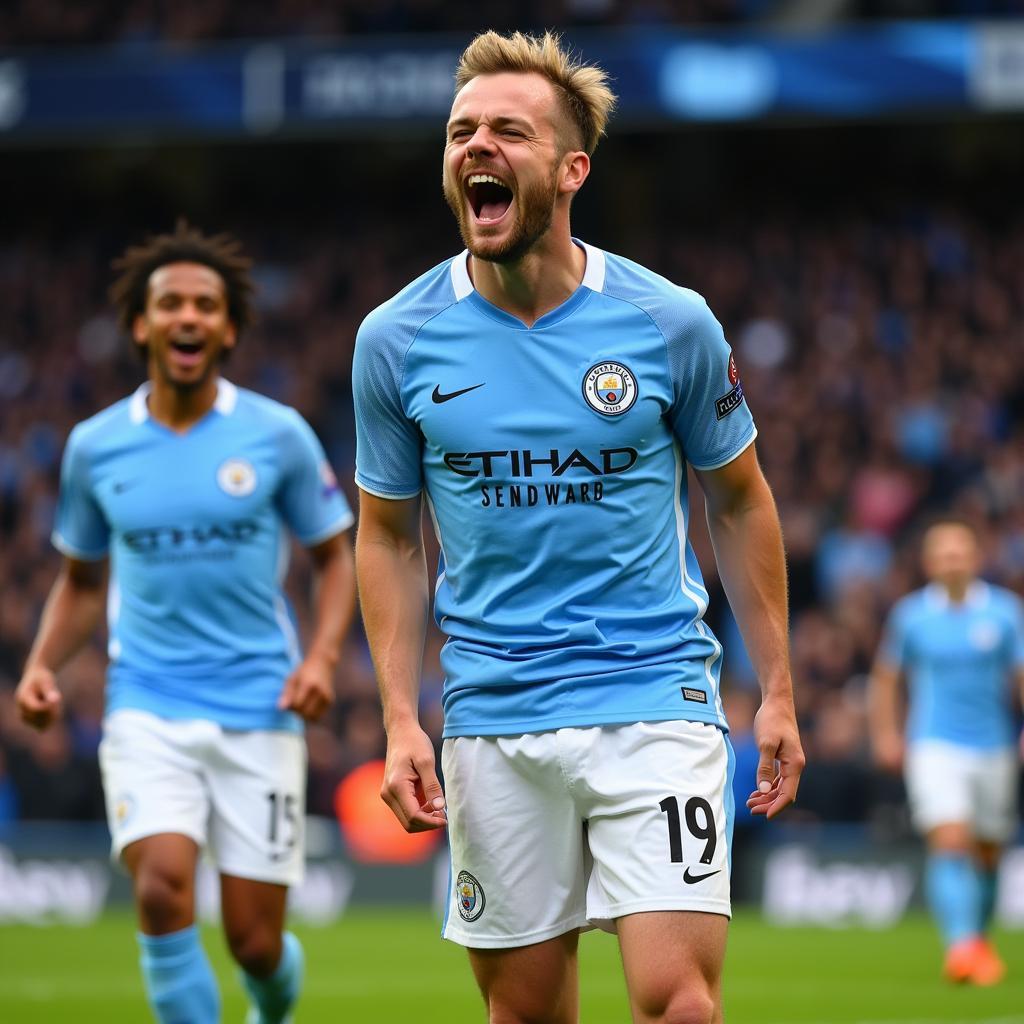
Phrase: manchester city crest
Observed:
(609, 388)
(469, 894)
(237, 477)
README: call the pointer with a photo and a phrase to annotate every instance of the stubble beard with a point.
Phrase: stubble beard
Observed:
(534, 212)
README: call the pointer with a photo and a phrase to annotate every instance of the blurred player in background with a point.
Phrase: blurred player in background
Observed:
(959, 642)
(186, 487)
(547, 396)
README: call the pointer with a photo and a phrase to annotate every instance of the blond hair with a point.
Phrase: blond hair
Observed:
(582, 88)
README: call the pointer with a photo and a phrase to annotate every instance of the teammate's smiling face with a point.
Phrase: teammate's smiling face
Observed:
(185, 326)
(507, 163)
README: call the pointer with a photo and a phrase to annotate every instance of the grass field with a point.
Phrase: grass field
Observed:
(391, 967)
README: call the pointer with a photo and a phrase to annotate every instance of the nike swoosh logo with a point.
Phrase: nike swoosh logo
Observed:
(437, 397)
(690, 879)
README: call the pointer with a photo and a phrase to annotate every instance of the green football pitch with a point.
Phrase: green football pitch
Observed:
(379, 968)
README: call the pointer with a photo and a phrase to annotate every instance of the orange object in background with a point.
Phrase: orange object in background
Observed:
(371, 832)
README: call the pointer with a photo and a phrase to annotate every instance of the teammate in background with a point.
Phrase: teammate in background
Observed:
(546, 397)
(959, 642)
(186, 487)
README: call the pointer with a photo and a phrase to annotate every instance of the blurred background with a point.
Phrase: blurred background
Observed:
(841, 179)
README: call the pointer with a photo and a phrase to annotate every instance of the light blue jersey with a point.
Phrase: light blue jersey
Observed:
(960, 660)
(194, 525)
(554, 464)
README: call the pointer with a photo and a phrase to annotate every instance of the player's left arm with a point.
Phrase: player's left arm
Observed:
(309, 690)
(747, 539)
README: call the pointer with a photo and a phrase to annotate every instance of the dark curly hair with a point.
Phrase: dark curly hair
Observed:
(186, 244)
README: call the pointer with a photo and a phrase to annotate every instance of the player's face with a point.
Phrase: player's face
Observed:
(950, 554)
(504, 163)
(185, 325)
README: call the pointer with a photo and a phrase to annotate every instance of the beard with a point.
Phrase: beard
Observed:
(534, 210)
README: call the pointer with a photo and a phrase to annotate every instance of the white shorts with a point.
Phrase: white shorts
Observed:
(239, 794)
(948, 783)
(573, 828)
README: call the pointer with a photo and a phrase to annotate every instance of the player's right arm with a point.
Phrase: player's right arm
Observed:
(884, 689)
(71, 614)
(391, 572)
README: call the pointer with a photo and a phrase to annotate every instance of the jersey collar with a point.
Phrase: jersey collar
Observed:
(224, 403)
(593, 275)
(976, 596)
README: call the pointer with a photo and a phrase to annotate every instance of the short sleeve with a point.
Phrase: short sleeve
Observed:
(1017, 613)
(709, 414)
(893, 649)
(310, 501)
(389, 446)
(81, 530)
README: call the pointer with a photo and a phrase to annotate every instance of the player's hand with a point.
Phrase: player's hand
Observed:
(309, 690)
(888, 752)
(782, 758)
(37, 697)
(411, 788)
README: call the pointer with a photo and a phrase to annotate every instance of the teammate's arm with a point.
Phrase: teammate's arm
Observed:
(391, 570)
(309, 690)
(71, 614)
(884, 713)
(747, 538)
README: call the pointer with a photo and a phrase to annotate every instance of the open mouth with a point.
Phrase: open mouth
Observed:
(489, 197)
(187, 350)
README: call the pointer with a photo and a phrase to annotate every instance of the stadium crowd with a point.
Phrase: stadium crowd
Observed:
(883, 360)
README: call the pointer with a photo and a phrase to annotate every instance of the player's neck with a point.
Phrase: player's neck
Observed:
(538, 283)
(177, 408)
(957, 590)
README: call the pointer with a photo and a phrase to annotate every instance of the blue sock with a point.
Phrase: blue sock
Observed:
(987, 880)
(275, 995)
(954, 895)
(179, 982)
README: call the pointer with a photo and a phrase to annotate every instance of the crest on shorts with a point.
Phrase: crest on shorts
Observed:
(470, 895)
(236, 477)
(609, 388)
(124, 808)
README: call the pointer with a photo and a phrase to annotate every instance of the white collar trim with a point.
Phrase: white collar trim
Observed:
(224, 403)
(976, 596)
(593, 275)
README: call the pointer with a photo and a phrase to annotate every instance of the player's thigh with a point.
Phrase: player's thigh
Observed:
(516, 841)
(673, 964)
(152, 777)
(938, 781)
(994, 785)
(163, 872)
(257, 785)
(660, 820)
(536, 984)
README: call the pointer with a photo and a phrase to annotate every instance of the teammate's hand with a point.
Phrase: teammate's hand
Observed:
(888, 752)
(782, 757)
(411, 788)
(309, 690)
(37, 697)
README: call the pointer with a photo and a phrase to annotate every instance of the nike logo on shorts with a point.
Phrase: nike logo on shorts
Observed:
(437, 397)
(690, 879)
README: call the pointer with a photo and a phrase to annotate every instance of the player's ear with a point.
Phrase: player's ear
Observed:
(575, 169)
(139, 333)
(230, 335)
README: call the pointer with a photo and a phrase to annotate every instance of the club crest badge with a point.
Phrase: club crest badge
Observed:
(236, 477)
(470, 896)
(609, 388)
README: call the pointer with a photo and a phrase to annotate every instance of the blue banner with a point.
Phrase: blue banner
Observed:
(662, 77)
